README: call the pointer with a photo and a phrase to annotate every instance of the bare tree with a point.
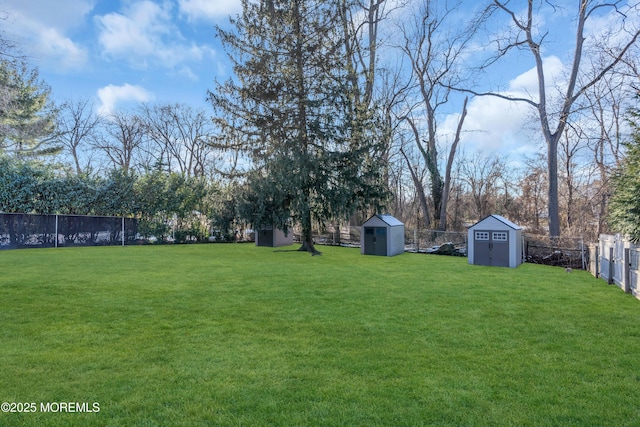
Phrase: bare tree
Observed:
(417, 177)
(483, 177)
(533, 194)
(77, 125)
(603, 108)
(360, 21)
(362, 25)
(181, 137)
(121, 140)
(434, 44)
(528, 35)
(569, 149)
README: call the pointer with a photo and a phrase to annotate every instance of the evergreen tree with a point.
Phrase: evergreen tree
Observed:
(292, 110)
(624, 206)
(27, 116)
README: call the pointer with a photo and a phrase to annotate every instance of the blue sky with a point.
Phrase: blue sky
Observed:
(122, 52)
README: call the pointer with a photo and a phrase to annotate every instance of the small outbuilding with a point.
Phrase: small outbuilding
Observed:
(495, 241)
(273, 237)
(382, 235)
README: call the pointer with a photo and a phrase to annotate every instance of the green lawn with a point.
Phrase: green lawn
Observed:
(240, 335)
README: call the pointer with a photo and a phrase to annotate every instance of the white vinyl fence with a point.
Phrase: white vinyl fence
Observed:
(615, 259)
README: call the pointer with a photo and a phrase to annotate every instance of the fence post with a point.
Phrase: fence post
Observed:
(598, 260)
(626, 277)
(634, 254)
(122, 231)
(611, 267)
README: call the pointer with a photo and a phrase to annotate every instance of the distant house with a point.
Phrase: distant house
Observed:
(382, 235)
(274, 237)
(495, 241)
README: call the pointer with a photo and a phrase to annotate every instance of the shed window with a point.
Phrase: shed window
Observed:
(500, 236)
(482, 235)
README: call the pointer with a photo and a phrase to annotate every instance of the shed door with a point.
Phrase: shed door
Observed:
(375, 241)
(500, 248)
(369, 241)
(491, 248)
(265, 238)
(482, 248)
(381, 241)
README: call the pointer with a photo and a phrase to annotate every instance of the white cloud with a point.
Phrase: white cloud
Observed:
(111, 96)
(527, 82)
(42, 31)
(137, 32)
(68, 55)
(63, 15)
(208, 10)
(144, 35)
(495, 125)
(188, 73)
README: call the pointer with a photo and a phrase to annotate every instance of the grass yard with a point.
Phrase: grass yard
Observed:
(238, 335)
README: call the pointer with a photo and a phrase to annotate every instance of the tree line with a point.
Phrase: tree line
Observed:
(318, 125)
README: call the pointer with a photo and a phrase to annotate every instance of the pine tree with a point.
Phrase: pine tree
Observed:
(27, 116)
(624, 206)
(292, 110)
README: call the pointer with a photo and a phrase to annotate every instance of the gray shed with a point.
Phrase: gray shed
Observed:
(382, 235)
(495, 241)
(272, 236)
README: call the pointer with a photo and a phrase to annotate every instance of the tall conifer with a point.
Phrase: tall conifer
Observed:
(292, 110)
(624, 206)
(27, 115)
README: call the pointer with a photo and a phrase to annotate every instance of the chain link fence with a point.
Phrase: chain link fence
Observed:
(566, 252)
(416, 240)
(19, 231)
(29, 231)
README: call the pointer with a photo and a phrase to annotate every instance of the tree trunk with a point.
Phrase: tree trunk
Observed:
(302, 97)
(308, 244)
(307, 235)
(420, 189)
(553, 202)
(442, 225)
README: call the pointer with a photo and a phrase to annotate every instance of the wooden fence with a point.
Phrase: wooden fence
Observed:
(615, 259)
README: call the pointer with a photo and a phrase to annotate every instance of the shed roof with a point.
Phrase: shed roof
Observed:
(502, 219)
(390, 220)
